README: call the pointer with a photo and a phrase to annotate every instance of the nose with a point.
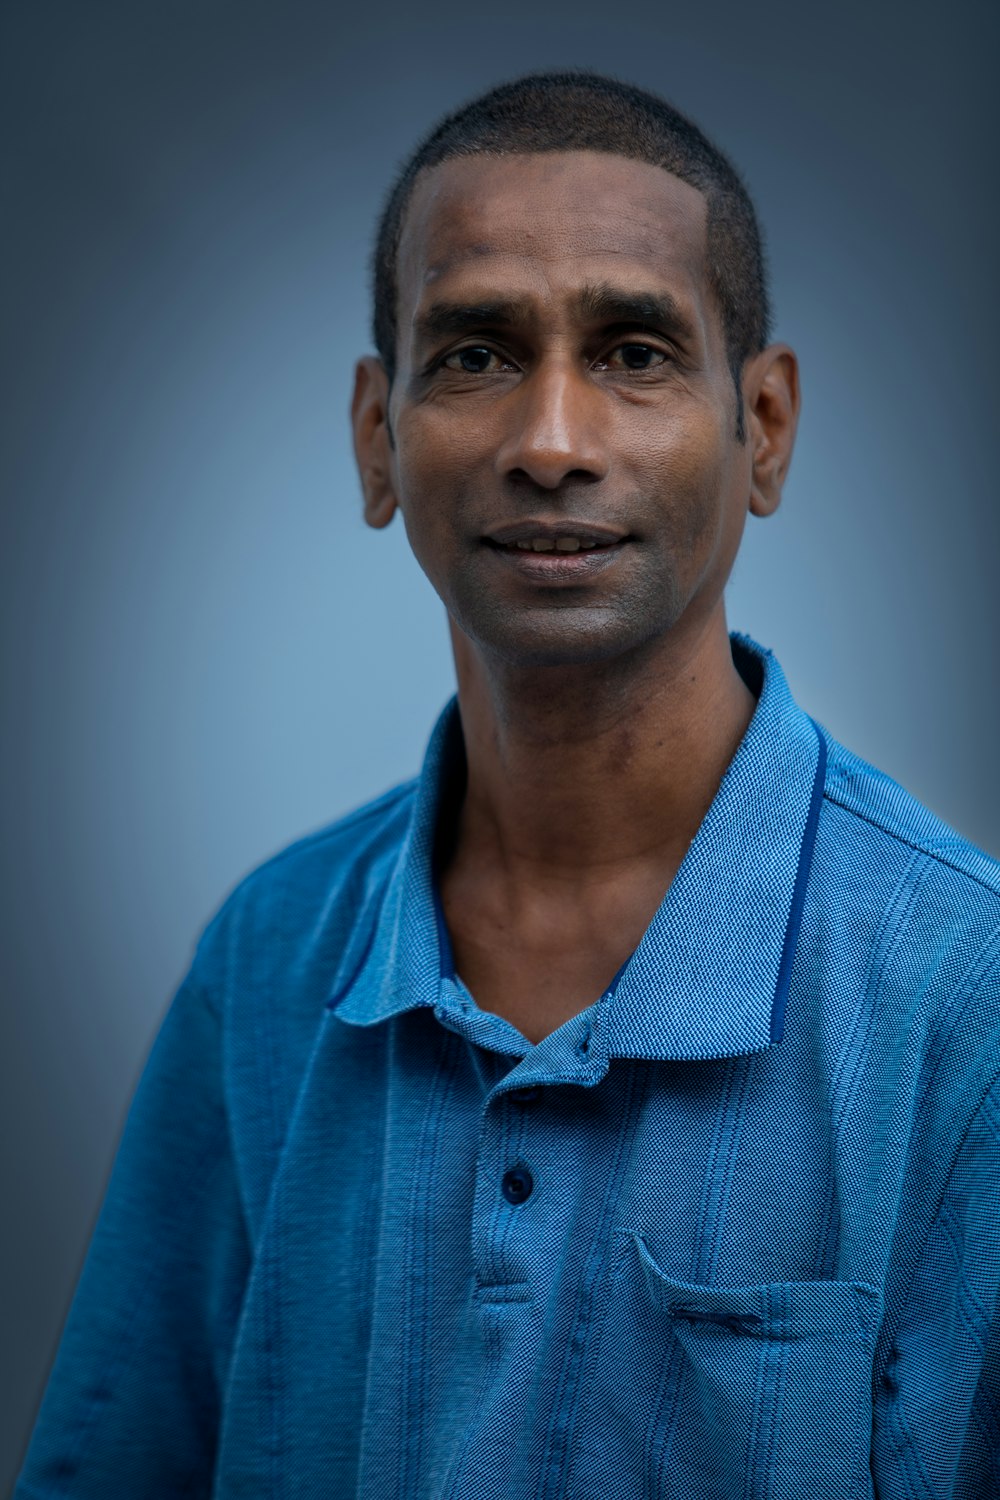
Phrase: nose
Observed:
(555, 432)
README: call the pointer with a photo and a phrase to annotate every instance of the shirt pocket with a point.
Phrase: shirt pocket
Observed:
(760, 1392)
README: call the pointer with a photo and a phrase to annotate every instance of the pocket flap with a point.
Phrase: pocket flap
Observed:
(774, 1310)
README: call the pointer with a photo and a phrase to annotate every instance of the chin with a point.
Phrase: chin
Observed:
(560, 643)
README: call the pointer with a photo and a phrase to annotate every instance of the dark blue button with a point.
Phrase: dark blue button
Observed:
(517, 1184)
(524, 1096)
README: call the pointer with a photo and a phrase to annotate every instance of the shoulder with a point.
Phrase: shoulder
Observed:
(906, 919)
(266, 964)
(307, 897)
(897, 819)
(885, 816)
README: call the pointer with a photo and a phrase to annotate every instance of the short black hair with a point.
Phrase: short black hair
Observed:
(584, 111)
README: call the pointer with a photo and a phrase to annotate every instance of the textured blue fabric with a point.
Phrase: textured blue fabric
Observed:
(760, 1255)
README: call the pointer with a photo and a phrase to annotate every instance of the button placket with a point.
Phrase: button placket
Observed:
(503, 1184)
(517, 1182)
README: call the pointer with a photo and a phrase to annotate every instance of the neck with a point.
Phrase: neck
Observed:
(575, 773)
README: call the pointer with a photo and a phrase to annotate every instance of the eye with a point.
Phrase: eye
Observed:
(474, 359)
(638, 357)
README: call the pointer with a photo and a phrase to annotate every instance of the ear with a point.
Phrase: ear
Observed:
(372, 447)
(771, 399)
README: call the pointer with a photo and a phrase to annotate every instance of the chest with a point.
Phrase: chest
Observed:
(650, 1190)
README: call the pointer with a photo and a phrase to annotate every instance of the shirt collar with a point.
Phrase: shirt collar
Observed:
(711, 974)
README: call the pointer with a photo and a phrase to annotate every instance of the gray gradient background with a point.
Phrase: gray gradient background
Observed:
(206, 654)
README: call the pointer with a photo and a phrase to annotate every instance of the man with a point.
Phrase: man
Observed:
(613, 1111)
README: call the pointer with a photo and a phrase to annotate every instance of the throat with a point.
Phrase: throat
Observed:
(540, 963)
(571, 773)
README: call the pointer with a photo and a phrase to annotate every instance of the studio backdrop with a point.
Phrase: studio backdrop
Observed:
(206, 654)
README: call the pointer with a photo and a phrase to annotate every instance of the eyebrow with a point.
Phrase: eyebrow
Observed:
(600, 303)
(609, 304)
(445, 319)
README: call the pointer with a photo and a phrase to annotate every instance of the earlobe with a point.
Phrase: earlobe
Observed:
(771, 391)
(372, 448)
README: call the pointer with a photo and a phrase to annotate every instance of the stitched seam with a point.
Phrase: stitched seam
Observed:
(971, 1305)
(984, 965)
(986, 1415)
(984, 1106)
(927, 847)
(417, 1256)
(710, 1218)
(557, 1454)
(910, 1462)
(776, 1355)
(717, 1183)
(828, 1249)
(672, 1385)
(850, 1064)
(491, 1361)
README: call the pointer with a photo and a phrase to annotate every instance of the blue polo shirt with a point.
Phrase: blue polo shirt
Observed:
(732, 1231)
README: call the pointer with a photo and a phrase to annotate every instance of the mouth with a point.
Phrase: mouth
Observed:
(554, 536)
(556, 551)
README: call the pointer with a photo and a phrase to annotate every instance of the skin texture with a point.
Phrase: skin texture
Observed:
(601, 710)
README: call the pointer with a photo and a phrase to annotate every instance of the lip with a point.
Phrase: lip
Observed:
(526, 531)
(557, 568)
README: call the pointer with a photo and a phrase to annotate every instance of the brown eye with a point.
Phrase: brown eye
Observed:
(474, 360)
(640, 356)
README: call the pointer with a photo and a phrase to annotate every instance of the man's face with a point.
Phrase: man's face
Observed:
(562, 381)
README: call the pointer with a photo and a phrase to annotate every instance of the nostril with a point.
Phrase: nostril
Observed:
(562, 475)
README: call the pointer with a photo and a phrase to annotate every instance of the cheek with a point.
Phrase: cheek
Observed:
(427, 478)
(431, 456)
(687, 468)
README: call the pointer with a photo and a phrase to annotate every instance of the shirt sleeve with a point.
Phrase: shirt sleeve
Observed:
(937, 1428)
(133, 1402)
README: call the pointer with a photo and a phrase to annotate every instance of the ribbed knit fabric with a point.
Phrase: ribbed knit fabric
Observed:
(732, 1231)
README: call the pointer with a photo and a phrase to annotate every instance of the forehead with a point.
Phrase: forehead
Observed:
(550, 221)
